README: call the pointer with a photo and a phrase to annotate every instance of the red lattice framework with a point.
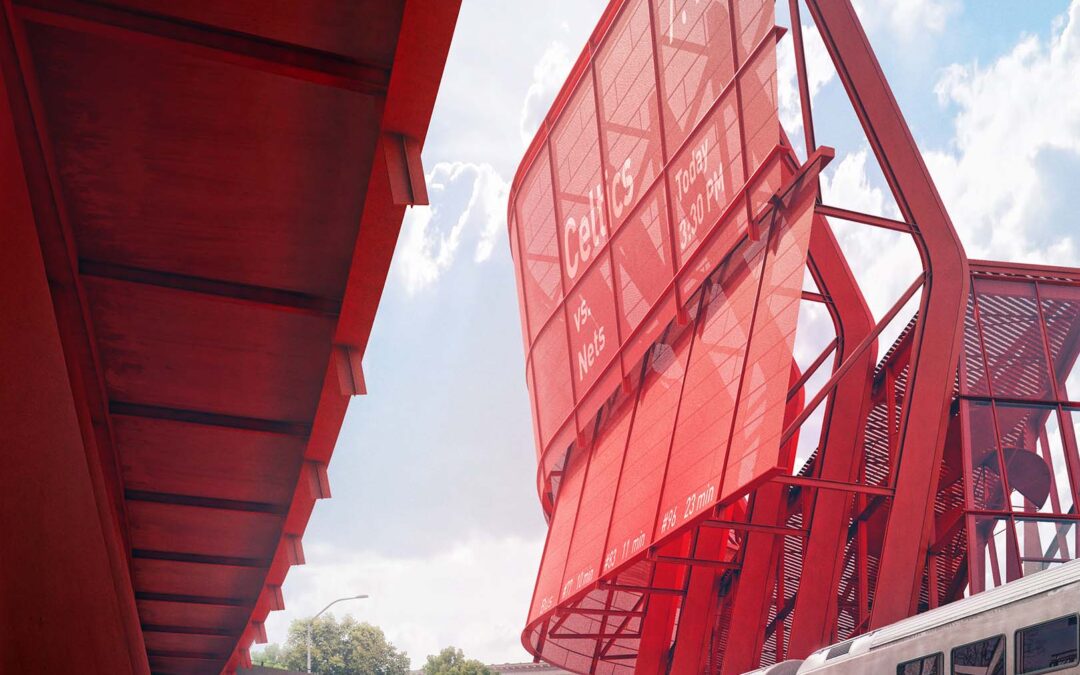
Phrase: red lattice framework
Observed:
(662, 226)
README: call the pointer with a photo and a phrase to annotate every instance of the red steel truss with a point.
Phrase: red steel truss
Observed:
(662, 224)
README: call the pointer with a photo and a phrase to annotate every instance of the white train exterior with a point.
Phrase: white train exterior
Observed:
(1029, 626)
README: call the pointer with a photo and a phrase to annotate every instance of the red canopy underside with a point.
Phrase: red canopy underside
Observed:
(212, 206)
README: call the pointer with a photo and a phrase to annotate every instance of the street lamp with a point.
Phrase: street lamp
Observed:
(312, 622)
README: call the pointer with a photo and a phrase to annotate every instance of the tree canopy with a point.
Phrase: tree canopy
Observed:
(352, 648)
(452, 661)
(347, 647)
(269, 657)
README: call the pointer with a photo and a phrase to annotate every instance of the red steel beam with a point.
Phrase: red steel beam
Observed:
(697, 562)
(208, 42)
(839, 458)
(216, 503)
(756, 582)
(187, 630)
(754, 585)
(864, 218)
(835, 485)
(299, 429)
(598, 611)
(56, 519)
(90, 469)
(194, 599)
(755, 527)
(175, 556)
(1069, 275)
(934, 361)
(851, 361)
(661, 610)
(427, 27)
(796, 388)
(274, 298)
(696, 614)
(800, 70)
(644, 590)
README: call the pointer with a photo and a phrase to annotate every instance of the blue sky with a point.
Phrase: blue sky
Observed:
(434, 512)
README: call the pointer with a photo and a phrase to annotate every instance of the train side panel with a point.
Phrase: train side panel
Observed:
(976, 633)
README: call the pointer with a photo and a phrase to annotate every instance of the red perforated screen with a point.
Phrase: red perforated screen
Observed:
(644, 177)
(631, 226)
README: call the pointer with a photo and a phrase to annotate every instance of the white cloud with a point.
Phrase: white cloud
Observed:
(474, 595)
(549, 73)
(847, 184)
(884, 263)
(907, 19)
(1007, 177)
(819, 72)
(468, 202)
(1010, 172)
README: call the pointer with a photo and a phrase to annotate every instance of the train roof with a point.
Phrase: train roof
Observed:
(1014, 591)
(1030, 585)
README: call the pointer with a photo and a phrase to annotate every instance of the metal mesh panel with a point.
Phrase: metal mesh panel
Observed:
(700, 443)
(704, 178)
(758, 96)
(694, 44)
(972, 366)
(635, 234)
(539, 248)
(1012, 339)
(637, 501)
(629, 111)
(1060, 310)
(549, 583)
(755, 442)
(552, 382)
(642, 256)
(594, 333)
(586, 552)
(579, 190)
(1018, 437)
(609, 141)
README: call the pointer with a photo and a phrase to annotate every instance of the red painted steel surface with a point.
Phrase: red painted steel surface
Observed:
(202, 217)
(642, 161)
(710, 509)
(1018, 421)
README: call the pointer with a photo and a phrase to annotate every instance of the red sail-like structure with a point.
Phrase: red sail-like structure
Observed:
(662, 225)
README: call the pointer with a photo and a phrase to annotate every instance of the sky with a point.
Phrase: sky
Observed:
(434, 511)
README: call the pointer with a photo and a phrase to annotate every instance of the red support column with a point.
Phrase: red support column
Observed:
(661, 610)
(814, 616)
(934, 360)
(753, 589)
(697, 613)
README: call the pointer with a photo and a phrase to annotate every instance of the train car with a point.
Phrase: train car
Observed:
(1025, 627)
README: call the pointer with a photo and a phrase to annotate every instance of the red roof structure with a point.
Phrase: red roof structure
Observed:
(201, 203)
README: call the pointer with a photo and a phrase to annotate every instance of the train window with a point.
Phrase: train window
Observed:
(1047, 646)
(839, 650)
(985, 657)
(927, 665)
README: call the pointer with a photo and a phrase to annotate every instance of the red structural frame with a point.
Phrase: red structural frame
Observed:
(945, 464)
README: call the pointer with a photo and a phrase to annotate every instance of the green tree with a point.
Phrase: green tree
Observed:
(342, 648)
(270, 657)
(452, 661)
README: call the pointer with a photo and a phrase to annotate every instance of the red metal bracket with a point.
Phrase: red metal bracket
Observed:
(407, 186)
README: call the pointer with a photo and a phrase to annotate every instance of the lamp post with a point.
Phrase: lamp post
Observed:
(312, 622)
